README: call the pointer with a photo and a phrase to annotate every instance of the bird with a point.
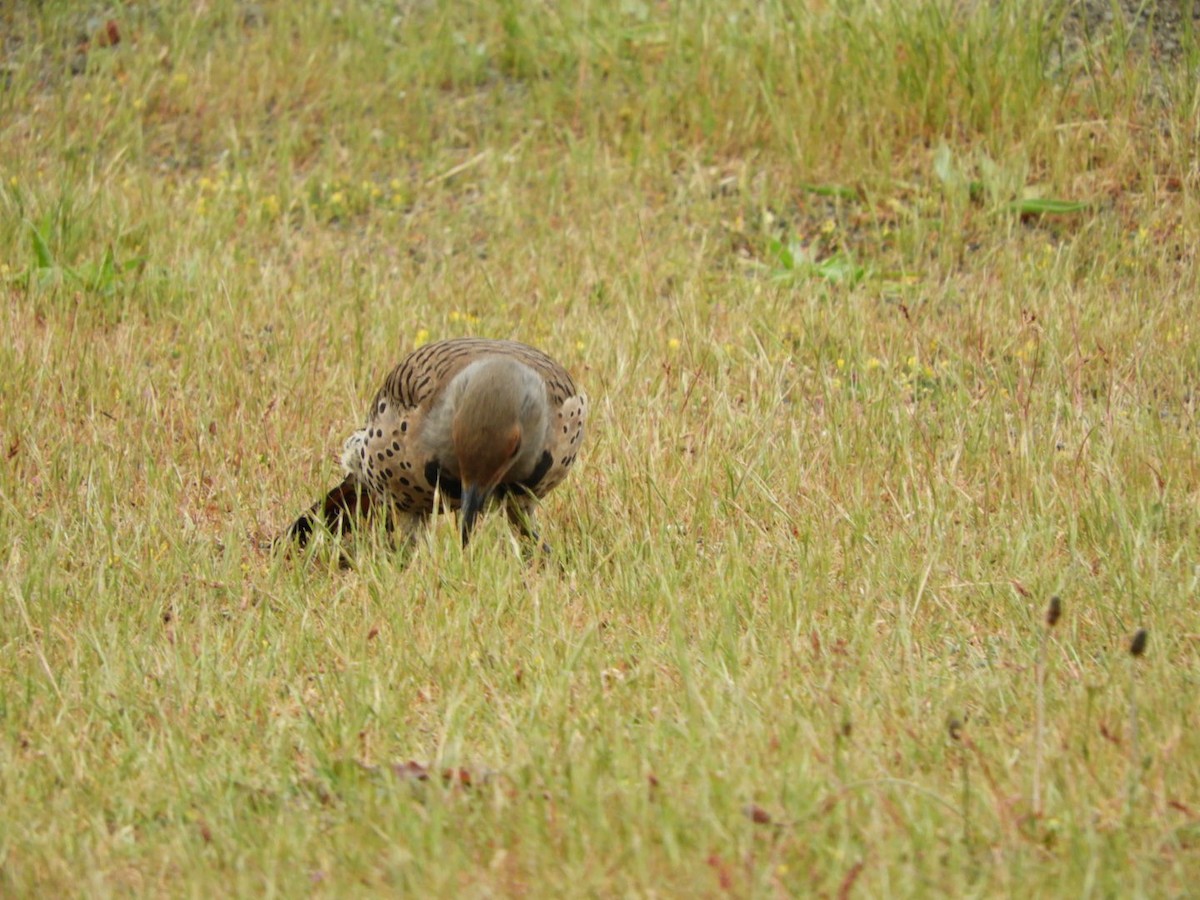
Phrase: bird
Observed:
(465, 423)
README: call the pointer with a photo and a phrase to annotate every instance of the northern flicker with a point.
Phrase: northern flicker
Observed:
(470, 419)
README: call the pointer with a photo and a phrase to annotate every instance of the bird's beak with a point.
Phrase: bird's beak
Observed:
(473, 500)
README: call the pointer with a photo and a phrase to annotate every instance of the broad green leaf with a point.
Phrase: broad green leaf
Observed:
(41, 249)
(1047, 206)
(829, 190)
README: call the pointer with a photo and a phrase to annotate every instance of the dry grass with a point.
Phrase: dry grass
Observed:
(859, 411)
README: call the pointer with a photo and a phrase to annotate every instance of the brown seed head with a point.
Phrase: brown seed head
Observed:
(1138, 645)
(1054, 611)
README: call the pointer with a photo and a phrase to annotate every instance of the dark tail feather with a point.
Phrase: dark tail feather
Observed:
(338, 510)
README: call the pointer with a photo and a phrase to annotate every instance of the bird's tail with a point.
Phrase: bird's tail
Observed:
(338, 510)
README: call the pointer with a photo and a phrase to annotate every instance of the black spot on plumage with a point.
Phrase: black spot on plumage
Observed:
(396, 446)
(404, 426)
(539, 471)
(448, 485)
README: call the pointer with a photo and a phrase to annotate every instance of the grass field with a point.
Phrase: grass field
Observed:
(889, 318)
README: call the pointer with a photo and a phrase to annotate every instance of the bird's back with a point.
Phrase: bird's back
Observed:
(421, 376)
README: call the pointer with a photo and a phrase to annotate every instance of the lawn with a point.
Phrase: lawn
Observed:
(889, 317)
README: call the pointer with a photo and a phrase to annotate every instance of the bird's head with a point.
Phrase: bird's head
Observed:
(499, 424)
